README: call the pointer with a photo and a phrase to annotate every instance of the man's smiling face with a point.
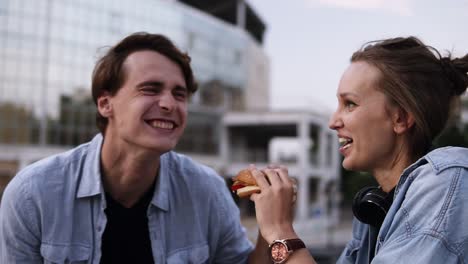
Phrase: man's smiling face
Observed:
(150, 109)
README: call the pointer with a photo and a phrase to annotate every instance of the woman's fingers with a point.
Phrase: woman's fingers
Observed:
(276, 177)
(282, 171)
(260, 178)
(273, 176)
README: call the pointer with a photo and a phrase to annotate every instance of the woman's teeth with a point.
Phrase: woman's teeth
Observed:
(345, 142)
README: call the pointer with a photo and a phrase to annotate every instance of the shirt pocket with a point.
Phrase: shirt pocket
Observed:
(191, 255)
(65, 254)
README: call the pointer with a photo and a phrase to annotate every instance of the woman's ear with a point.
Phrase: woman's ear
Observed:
(104, 105)
(402, 121)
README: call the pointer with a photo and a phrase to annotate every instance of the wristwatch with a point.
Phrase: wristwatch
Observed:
(280, 250)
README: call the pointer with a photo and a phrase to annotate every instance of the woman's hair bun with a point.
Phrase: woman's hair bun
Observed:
(456, 71)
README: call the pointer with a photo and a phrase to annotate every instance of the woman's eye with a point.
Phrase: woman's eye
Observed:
(350, 105)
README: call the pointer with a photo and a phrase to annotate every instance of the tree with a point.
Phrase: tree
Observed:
(18, 125)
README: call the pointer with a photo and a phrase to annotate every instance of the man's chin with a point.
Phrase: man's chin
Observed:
(161, 149)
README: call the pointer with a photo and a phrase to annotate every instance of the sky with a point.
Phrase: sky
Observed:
(309, 42)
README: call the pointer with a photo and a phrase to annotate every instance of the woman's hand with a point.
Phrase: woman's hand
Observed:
(274, 205)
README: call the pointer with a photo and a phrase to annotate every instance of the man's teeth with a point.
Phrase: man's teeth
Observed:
(161, 124)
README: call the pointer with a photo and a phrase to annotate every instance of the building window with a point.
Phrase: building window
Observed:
(212, 94)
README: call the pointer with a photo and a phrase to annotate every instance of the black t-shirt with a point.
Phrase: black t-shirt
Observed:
(126, 238)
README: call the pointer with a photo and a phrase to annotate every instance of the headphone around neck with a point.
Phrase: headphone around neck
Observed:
(371, 204)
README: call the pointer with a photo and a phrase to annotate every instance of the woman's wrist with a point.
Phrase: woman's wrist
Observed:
(281, 233)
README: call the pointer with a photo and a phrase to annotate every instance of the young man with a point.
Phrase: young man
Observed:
(125, 197)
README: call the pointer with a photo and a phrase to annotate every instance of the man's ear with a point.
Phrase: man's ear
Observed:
(104, 105)
(402, 121)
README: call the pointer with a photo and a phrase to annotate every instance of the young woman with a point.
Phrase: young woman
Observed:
(393, 100)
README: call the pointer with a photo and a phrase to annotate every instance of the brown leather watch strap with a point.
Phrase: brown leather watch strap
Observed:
(294, 244)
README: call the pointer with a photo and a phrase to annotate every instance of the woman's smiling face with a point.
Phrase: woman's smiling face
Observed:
(363, 120)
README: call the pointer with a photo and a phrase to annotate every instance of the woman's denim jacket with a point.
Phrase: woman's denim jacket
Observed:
(428, 220)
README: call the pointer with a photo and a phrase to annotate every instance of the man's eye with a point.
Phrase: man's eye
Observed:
(180, 94)
(149, 90)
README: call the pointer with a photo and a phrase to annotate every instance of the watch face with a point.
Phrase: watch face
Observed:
(279, 252)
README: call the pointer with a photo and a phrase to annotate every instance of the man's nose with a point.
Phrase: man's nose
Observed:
(167, 102)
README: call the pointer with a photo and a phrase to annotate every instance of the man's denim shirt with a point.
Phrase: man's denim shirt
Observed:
(53, 212)
(428, 220)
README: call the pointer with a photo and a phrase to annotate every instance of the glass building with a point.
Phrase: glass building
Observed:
(48, 49)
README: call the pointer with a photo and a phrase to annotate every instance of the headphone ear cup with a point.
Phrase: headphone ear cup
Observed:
(357, 201)
(370, 205)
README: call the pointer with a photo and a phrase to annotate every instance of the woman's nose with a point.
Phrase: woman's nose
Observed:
(335, 121)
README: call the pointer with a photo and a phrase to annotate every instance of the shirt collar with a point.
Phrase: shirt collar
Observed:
(439, 159)
(161, 190)
(90, 181)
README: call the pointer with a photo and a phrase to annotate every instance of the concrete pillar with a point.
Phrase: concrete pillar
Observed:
(43, 124)
(23, 162)
(322, 197)
(322, 150)
(241, 13)
(303, 188)
(224, 145)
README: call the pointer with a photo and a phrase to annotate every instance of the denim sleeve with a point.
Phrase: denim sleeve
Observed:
(420, 249)
(19, 225)
(233, 245)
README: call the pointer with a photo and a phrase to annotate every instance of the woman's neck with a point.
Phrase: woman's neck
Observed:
(388, 175)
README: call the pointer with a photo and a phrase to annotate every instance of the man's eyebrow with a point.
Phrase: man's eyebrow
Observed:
(160, 84)
(150, 83)
(181, 87)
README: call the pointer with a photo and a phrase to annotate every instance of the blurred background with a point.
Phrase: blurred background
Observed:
(267, 71)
